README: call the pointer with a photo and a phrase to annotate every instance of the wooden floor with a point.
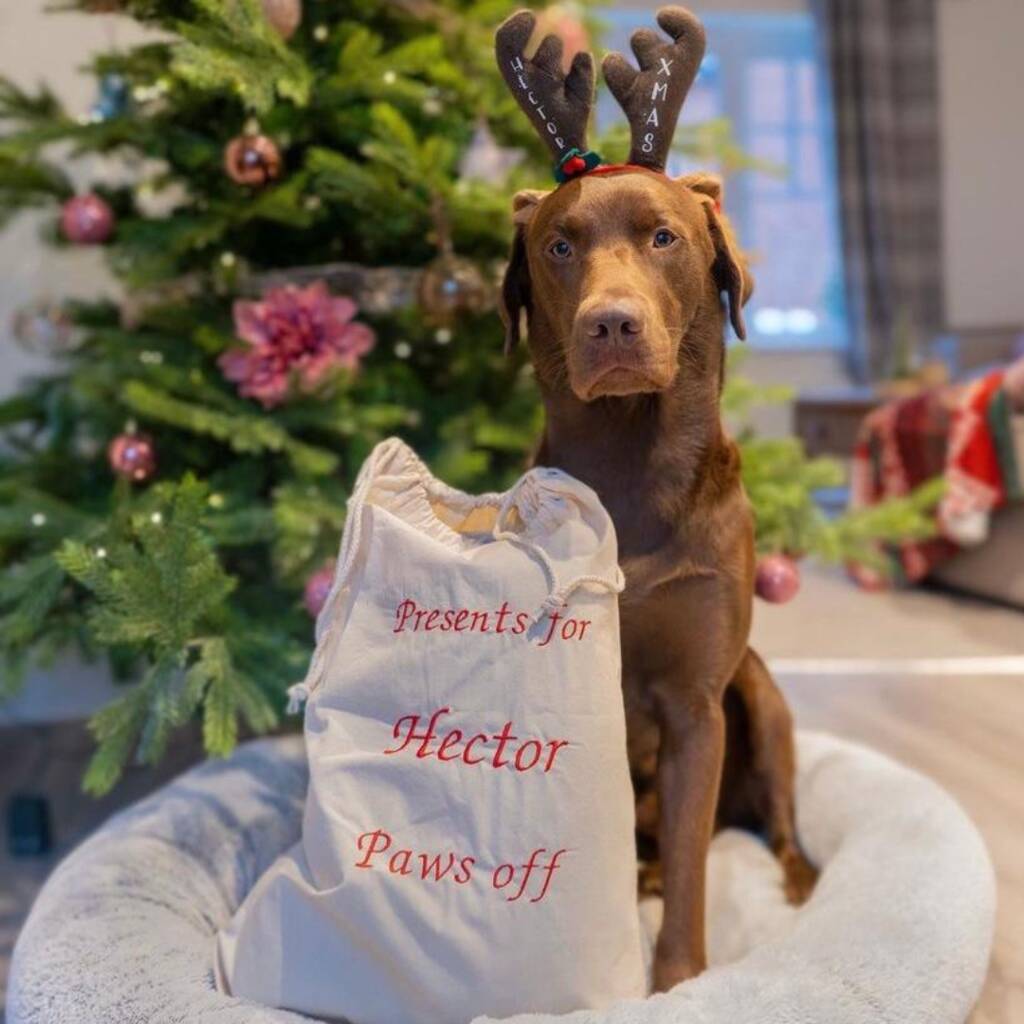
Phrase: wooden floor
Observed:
(968, 734)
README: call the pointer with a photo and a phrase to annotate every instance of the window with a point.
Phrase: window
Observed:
(761, 72)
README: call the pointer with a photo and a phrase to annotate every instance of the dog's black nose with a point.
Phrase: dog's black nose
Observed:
(621, 322)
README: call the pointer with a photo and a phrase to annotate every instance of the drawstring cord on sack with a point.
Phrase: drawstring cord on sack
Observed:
(299, 693)
(557, 595)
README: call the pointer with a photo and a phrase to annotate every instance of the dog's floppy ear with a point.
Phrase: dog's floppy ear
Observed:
(515, 287)
(730, 268)
(525, 203)
(515, 291)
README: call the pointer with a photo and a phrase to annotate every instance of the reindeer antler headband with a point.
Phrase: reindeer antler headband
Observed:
(559, 104)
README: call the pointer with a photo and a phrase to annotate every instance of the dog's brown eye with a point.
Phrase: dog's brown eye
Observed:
(663, 238)
(560, 249)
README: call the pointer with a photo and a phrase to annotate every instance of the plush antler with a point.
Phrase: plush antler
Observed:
(558, 104)
(653, 96)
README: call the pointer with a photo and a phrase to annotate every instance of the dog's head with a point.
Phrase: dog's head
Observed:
(620, 271)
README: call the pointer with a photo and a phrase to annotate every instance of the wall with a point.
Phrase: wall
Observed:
(38, 47)
(34, 47)
(982, 91)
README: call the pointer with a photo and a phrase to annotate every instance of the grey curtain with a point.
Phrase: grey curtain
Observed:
(882, 55)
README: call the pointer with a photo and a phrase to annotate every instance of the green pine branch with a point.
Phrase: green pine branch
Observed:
(158, 586)
(228, 696)
(29, 183)
(116, 729)
(782, 485)
(21, 108)
(864, 535)
(29, 590)
(158, 582)
(233, 48)
(252, 434)
(35, 518)
(308, 521)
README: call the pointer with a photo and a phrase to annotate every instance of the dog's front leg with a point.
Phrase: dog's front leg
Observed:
(689, 772)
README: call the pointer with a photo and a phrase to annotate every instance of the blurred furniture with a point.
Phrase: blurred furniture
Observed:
(970, 435)
(828, 421)
(48, 761)
(899, 929)
(995, 569)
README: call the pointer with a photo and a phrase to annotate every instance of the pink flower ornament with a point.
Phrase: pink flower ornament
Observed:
(294, 338)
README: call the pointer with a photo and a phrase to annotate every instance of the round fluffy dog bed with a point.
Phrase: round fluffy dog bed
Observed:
(898, 930)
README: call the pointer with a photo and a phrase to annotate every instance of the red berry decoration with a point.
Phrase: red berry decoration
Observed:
(574, 165)
(132, 456)
(252, 160)
(87, 220)
(777, 579)
(318, 586)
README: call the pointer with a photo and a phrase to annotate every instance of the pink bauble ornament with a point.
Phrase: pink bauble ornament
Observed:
(87, 219)
(132, 456)
(777, 579)
(284, 15)
(318, 586)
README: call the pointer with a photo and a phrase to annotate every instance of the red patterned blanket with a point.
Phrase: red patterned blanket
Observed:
(962, 433)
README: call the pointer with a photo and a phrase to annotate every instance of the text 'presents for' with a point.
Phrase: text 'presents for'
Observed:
(552, 624)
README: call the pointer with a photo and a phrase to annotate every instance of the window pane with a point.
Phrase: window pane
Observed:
(806, 73)
(767, 93)
(773, 149)
(809, 164)
(762, 74)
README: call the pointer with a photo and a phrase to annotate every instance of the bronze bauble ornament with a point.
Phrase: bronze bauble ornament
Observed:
(252, 160)
(450, 285)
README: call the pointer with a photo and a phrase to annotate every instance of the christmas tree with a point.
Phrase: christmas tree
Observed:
(309, 253)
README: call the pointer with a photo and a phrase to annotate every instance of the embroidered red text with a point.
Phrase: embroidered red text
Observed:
(502, 749)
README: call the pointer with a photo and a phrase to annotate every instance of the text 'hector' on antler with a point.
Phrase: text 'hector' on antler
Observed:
(556, 101)
(536, 104)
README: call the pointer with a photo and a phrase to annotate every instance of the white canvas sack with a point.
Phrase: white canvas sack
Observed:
(467, 846)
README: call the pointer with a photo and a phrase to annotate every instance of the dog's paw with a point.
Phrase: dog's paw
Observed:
(672, 971)
(799, 876)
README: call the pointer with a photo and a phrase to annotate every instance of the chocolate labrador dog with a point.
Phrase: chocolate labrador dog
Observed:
(620, 273)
